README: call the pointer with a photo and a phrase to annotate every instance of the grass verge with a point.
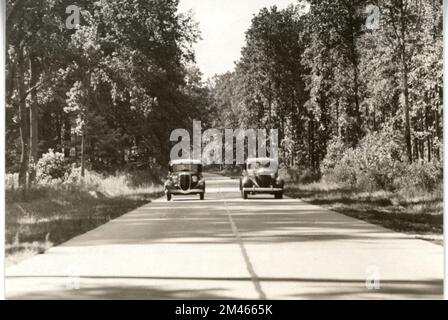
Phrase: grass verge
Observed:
(52, 215)
(419, 214)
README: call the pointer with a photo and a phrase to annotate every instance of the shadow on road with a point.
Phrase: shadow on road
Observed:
(131, 287)
(204, 222)
(190, 249)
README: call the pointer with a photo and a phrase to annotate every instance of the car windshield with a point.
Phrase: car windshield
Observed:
(186, 167)
(260, 164)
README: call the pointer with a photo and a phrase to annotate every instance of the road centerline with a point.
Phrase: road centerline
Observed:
(249, 266)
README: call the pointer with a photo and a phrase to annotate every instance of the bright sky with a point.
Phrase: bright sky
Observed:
(223, 24)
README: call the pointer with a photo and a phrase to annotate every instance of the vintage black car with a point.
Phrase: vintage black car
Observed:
(260, 175)
(185, 177)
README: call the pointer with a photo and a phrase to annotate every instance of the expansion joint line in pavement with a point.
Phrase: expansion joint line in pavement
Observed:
(249, 266)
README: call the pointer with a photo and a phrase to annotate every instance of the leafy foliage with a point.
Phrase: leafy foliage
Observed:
(378, 163)
(374, 164)
(109, 92)
(357, 104)
(51, 165)
(421, 176)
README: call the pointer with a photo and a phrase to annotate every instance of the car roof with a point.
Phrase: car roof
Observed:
(260, 159)
(185, 161)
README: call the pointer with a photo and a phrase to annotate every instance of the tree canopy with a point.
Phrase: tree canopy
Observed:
(327, 75)
(108, 92)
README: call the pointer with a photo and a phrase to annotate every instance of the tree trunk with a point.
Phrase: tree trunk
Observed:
(357, 115)
(357, 108)
(59, 123)
(437, 128)
(407, 132)
(421, 141)
(311, 143)
(34, 76)
(427, 125)
(67, 135)
(24, 121)
(405, 84)
(374, 118)
(416, 148)
(83, 155)
(84, 125)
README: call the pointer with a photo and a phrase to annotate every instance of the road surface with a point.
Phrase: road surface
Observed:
(225, 247)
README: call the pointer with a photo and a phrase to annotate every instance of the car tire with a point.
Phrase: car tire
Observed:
(201, 196)
(168, 196)
(244, 193)
(278, 195)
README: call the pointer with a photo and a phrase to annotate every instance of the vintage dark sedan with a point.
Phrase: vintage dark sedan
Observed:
(185, 177)
(260, 175)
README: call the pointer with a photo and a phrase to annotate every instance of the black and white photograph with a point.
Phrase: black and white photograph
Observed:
(223, 150)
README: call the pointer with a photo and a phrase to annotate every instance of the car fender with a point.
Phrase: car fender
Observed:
(280, 182)
(247, 182)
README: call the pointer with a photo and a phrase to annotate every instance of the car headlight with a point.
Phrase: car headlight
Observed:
(194, 179)
(174, 178)
(273, 175)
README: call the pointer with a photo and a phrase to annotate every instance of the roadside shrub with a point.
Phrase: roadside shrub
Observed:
(344, 171)
(421, 176)
(139, 177)
(335, 152)
(11, 181)
(122, 183)
(374, 164)
(308, 176)
(298, 175)
(51, 166)
(378, 160)
(288, 174)
(91, 179)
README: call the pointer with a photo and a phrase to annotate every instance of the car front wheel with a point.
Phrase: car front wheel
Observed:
(201, 196)
(168, 196)
(244, 194)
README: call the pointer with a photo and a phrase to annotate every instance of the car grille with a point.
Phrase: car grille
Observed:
(264, 181)
(184, 181)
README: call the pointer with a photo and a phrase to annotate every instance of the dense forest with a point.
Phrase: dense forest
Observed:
(107, 93)
(352, 86)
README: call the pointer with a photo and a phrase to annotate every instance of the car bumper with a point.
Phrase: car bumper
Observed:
(180, 191)
(262, 190)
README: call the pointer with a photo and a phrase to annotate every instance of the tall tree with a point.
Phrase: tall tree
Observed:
(403, 23)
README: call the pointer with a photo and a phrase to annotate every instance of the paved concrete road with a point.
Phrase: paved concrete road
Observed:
(226, 247)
